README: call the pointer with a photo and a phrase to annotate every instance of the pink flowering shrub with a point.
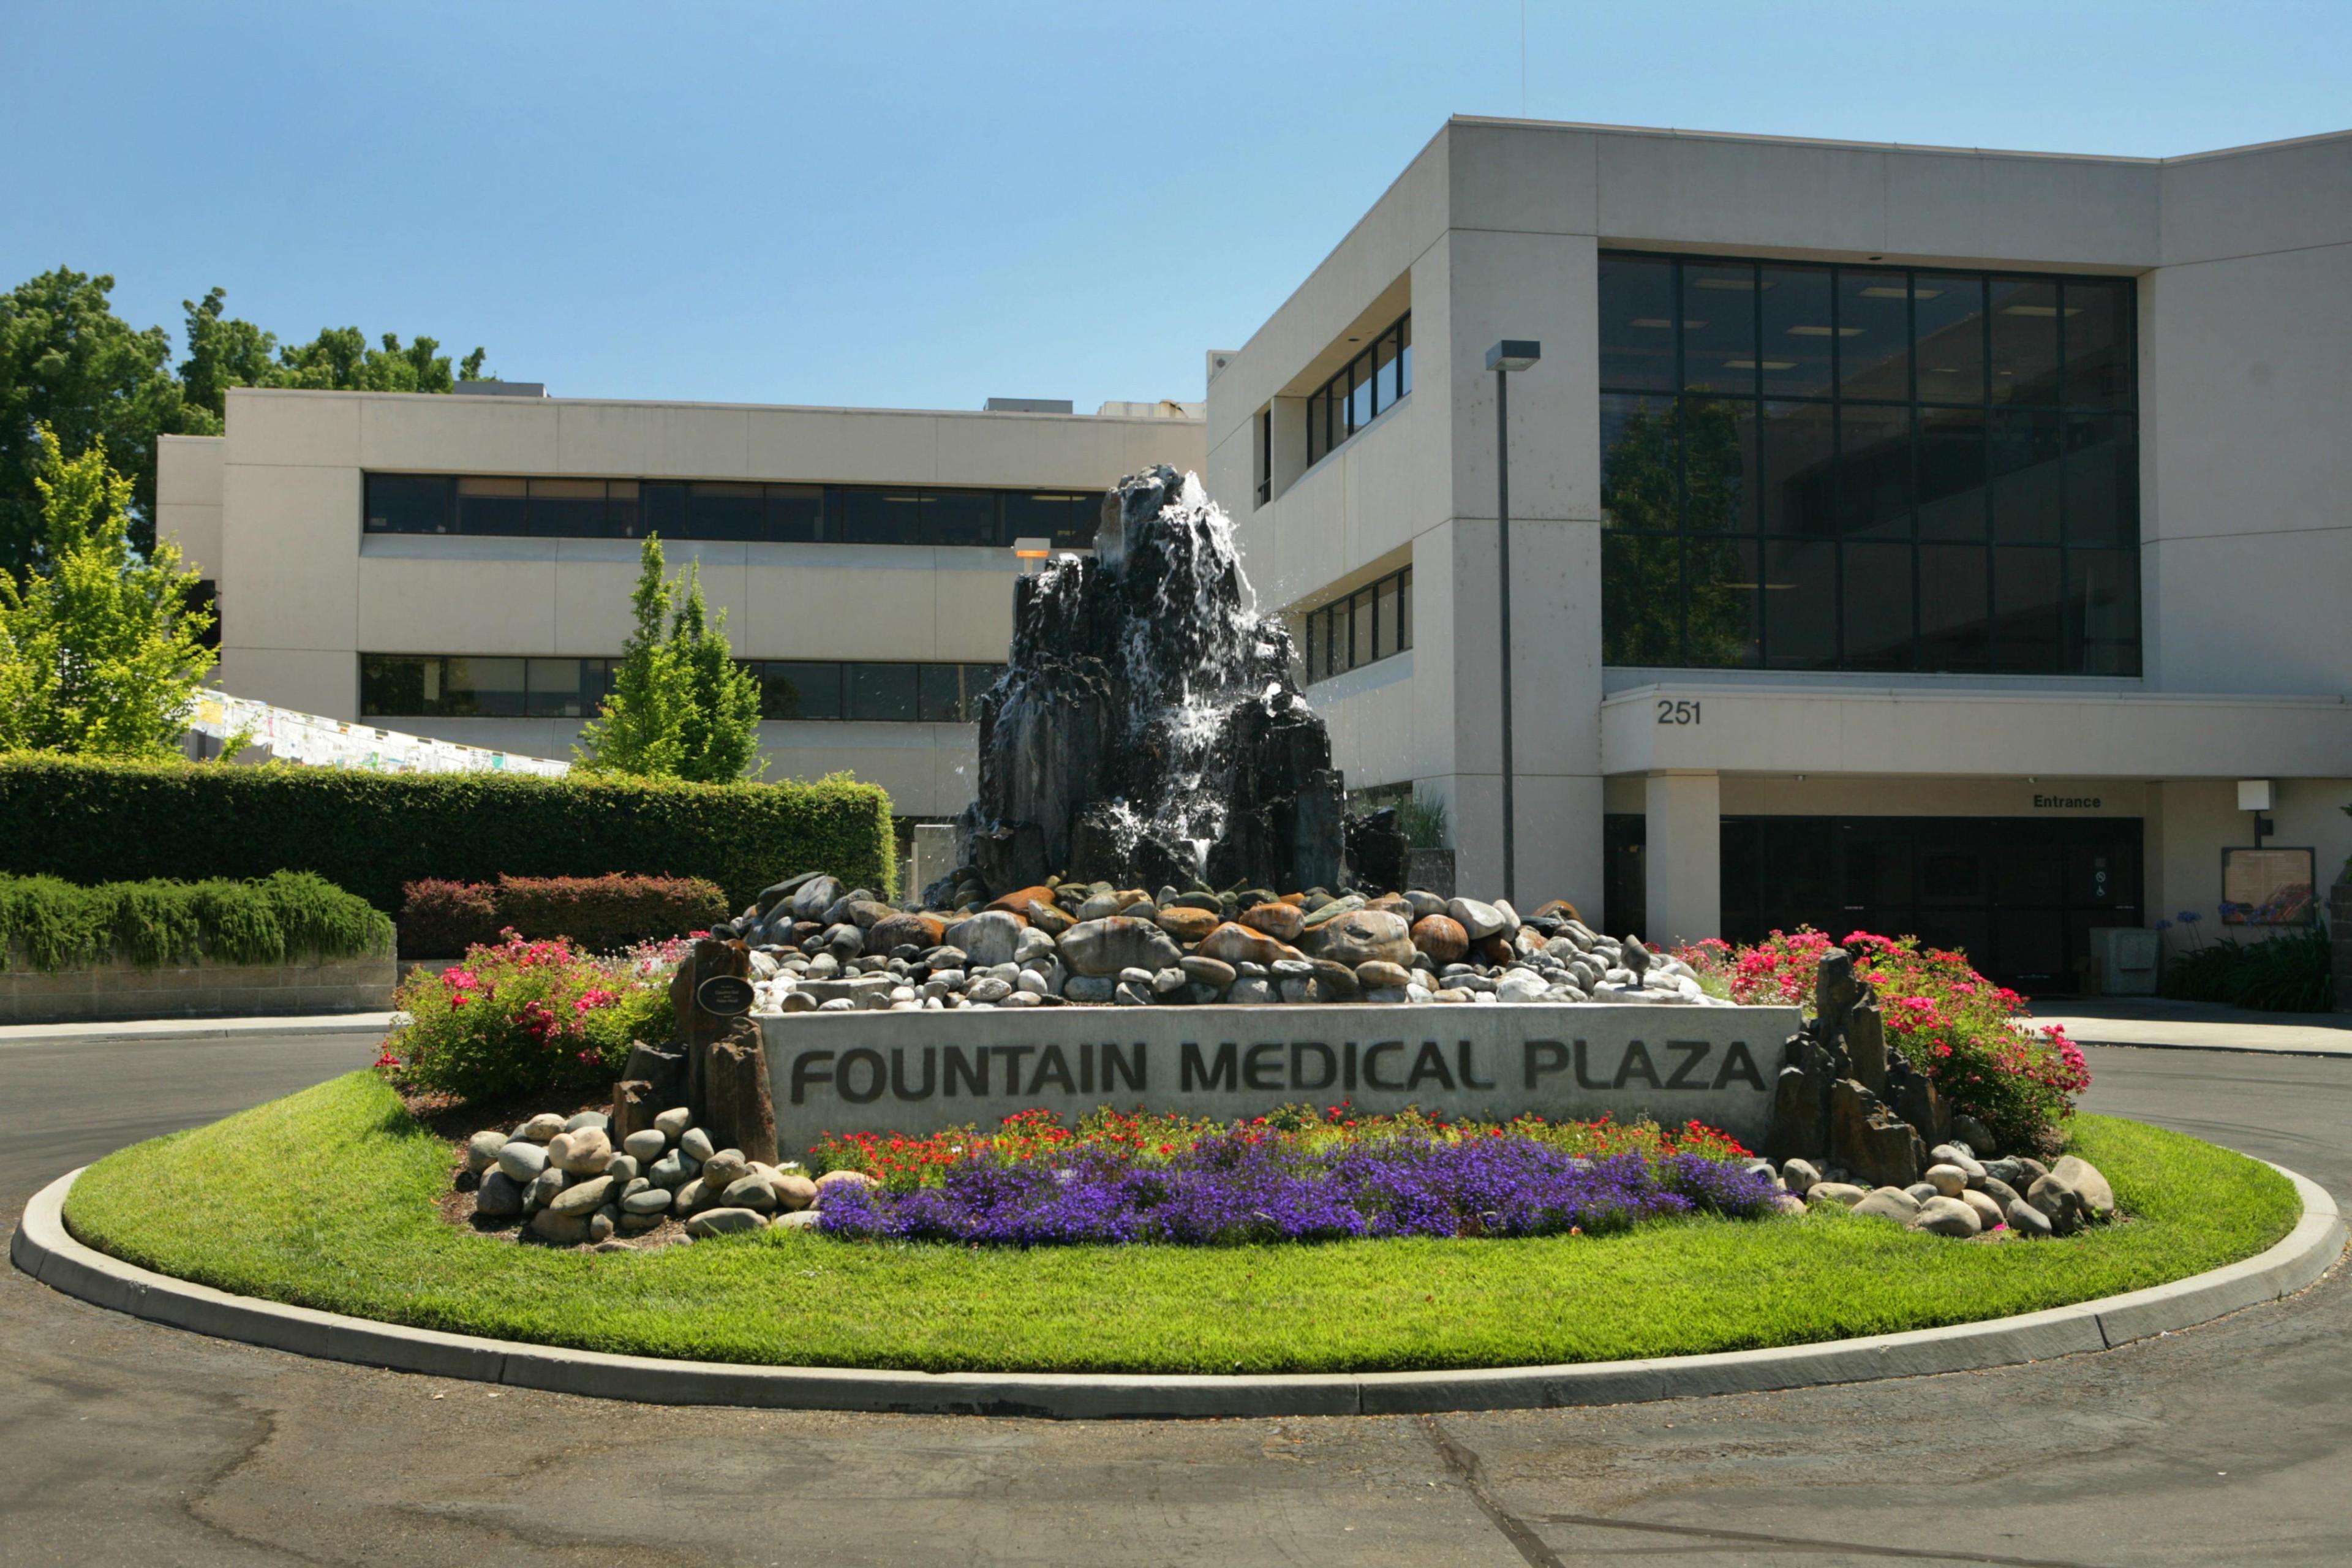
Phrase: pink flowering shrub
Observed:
(523, 1018)
(1958, 1027)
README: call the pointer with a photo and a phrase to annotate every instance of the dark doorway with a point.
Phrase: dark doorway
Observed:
(2020, 895)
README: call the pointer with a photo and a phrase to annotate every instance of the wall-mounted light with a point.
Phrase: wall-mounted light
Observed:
(1030, 551)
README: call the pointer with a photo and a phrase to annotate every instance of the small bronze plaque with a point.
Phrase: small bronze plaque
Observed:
(725, 995)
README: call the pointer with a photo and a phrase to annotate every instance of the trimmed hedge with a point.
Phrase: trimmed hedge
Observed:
(600, 914)
(96, 821)
(54, 924)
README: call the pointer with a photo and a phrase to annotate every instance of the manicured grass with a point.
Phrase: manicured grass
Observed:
(327, 1199)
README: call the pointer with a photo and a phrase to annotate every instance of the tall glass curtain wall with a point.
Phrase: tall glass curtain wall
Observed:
(1360, 390)
(1867, 467)
(433, 686)
(725, 509)
(1368, 625)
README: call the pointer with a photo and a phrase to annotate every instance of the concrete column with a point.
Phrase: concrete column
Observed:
(1684, 857)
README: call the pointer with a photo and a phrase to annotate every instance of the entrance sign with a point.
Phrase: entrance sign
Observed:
(916, 1072)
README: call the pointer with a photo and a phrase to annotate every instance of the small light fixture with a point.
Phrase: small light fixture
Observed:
(1513, 354)
(1030, 551)
(1800, 778)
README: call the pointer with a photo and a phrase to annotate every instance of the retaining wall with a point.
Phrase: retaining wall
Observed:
(204, 989)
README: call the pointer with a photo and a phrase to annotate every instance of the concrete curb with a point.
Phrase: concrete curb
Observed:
(122, 1031)
(42, 1248)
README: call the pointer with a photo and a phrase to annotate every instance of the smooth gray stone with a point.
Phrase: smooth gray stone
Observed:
(521, 1160)
(498, 1197)
(648, 1143)
(582, 1198)
(695, 1144)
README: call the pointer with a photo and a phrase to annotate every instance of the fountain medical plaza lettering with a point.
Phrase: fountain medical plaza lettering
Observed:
(880, 1071)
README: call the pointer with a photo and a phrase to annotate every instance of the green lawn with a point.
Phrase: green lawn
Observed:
(327, 1199)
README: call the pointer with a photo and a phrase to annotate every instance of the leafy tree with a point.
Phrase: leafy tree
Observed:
(69, 365)
(100, 651)
(68, 361)
(721, 734)
(680, 706)
(641, 730)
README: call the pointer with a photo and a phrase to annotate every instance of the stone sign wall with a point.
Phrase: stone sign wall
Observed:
(915, 1072)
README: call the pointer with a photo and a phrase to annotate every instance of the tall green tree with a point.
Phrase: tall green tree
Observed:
(721, 734)
(100, 651)
(680, 706)
(68, 364)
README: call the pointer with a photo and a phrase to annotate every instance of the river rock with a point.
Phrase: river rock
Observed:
(1950, 1180)
(2025, 1219)
(1211, 971)
(725, 1222)
(498, 1197)
(833, 1179)
(1798, 1175)
(1379, 974)
(522, 1160)
(1279, 921)
(482, 1149)
(799, 1220)
(1999, 1191)
(582, 1153)
(1250, 990)
(2059, 1202)
(1117, 942)
(792, 1190)
(646, 1201)
(646, 1143)
(905, 930)
(989, 938)
(814, 897)
(1988, 1213)
(583, 1197)
(695, 1144)
(1947, 1216)
(1886, 1203)
(1975, 1134)
(1845, 1194)
(1239, 944)
(673, 1169)
(1090, 987)
(723, 1168)
(563, 1229)
(1478, 920)
(1442, 937)
(1363, 936)
(2097, 1198)
(750, 1192)
(540, 1128)
(1188, 925)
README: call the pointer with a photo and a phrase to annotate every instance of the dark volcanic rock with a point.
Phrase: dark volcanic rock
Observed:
(1146, 729)
(1879, 1147)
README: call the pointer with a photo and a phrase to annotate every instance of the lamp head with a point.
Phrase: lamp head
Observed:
(1514, 353)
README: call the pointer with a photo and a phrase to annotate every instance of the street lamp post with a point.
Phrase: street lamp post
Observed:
(1508, 355)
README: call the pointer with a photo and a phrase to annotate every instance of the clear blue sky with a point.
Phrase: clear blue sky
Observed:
(887, 204)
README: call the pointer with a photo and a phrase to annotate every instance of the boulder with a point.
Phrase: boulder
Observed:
(1478, 920)
(1090, 987)
(1871, 1142)
(563, 1229)
(814, 897)
(1250, 990)
(1277, 920)
(646, 1201)
(723, 1169)
(1016, 902)
(695, 1144)
(1988, 1213)
(482, 1149)
(989, 938)
(646, 1146)
(1999, 1191)
(725, 1222)
(1362, 936)
(799, 1220)
(1845, 1194)
(1947, 1216)
(1886, 1203)
(1377, 974)
(2025, 1219)
(2096, 1197)
(1043, 916)
(1114, 942)
(583, 1197)
(1976, 1135)
(672, 1123)
(582, 1153)
(1950, 1180)
(792, 1190)
(750, 1191)
(905, 930)
(522, 1160)
(498, 1197)
(1442, 937)
(1211, 971)
(2058, 1203)
(1798, 1175)
(540, 1128)
(1186, 925)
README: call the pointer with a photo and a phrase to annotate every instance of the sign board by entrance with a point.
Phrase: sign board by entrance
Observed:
(916, 1072)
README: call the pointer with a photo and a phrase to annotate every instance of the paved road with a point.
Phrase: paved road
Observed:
(2229, 1444)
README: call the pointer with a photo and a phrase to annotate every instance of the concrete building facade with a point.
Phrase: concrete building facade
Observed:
(1918, 538)
(460, 566)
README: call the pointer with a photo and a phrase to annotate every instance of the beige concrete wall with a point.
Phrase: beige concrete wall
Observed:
(306, 591)
(188, 470)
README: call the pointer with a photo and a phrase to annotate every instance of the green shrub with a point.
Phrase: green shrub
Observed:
(2292, 972)
(528, 1017)
(54, 924)
(601, 914)
(1422, 821)
(91, 821)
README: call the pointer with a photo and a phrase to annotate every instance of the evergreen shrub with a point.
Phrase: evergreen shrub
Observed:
(442, 919)
(53, 924)
(88, 821)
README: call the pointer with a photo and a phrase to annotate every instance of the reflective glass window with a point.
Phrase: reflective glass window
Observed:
(1799, 468)
(791, 688)
(2103, 611)
(1639, 461)
(1948, 329)
(1637, 323)
(393, 685)
(482, 687)
(1798, 359)
(938, 693)
(1874, 335)
(553, 688)
(2026, 610)
(876, 516)
(567, 509)
(1640, 588)
(1800, 603)
(408, 503)
(493, 506)
(1874, 471)
(1311, 638)
(1724, 625)
(1876, 588)
(1404, 356)
(1719, 327)
(721, 511)
(1385, 626)
(960, 518)
(1952, 496)
(1359, 394)
(1719, 438)
(1359, 606)
(2102, 481)
(1954, 589)
(661, 509)
(2096, 314)
(978, 680)
(622, 518)
(2024, 316)
(795, 514)
(2025, 477)
(1404, 608)
(883, 691)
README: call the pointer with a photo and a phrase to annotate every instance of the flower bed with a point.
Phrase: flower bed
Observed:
(527, 1018)
(1295, 1175)
(1958, 1027)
